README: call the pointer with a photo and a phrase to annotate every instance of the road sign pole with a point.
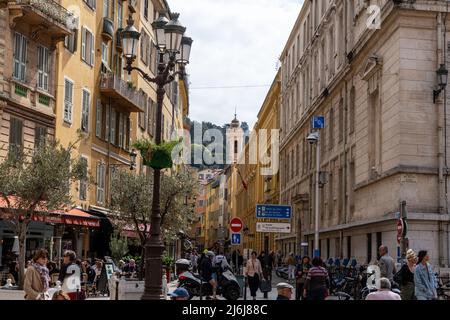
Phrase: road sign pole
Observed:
(316, 233)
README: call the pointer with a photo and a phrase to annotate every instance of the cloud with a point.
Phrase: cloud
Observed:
(236, 43)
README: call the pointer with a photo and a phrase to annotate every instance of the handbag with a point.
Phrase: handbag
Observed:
(265, 285)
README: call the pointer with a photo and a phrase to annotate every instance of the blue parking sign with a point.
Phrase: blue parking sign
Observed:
(235, 239)
(318, 122)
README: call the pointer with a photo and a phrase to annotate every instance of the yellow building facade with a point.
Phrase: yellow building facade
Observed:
(251, 185)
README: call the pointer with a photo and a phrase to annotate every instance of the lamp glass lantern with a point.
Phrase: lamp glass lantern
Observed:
(174, 33)
(130, 40)
(442, 74)
(160, 32)
(185, 50)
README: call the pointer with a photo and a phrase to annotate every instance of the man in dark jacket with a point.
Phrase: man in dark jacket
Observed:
(208, 271)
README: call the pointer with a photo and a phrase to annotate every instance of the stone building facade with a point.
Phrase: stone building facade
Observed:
(372, 76)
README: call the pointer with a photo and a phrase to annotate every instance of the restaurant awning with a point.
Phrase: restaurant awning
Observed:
(72, 216)
(129, 230)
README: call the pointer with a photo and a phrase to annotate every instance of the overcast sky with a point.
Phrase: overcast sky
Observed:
(236, 43)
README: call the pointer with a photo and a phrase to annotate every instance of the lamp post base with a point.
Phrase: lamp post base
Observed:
(153, 273)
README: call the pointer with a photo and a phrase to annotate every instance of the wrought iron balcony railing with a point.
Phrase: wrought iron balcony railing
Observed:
(50, 8)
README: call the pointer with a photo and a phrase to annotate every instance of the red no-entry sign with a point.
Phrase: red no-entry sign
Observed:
(236, 225)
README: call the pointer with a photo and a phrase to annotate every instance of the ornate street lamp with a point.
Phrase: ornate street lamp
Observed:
(442, 75)
(185, 51)
(169, 45)
(130, 40)
(160, 32)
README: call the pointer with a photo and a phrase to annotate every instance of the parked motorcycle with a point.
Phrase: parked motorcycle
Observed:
(227, 285)
(282, 272)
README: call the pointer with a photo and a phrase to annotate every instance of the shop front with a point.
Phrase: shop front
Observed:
(56, 232)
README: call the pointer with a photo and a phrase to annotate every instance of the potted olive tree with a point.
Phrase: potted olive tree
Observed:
(168, 265)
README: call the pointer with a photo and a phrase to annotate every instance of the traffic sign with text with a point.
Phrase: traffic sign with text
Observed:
(272, 211)
(273, 227)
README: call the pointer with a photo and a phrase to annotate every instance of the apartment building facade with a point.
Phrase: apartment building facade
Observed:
(383, 141)
(251, 181)
(62, 75)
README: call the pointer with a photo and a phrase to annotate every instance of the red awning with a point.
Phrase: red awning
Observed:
(73, 216)
(129, 230)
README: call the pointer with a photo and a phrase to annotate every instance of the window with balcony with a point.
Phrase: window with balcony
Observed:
(15, 135)
(105, 54)
(40, 134)
(99, 119)
(70, 41)
(106, 8)
(121, 130)
(113, 126)
(101, 175)
(43, 68)
(68, 100)
(20, 56)
(107, 132)
(90, 3)
(83, 182)
(87, 46)
(119, 14)
(86, 101)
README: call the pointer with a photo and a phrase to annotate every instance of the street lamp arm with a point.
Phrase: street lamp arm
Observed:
(145, 75)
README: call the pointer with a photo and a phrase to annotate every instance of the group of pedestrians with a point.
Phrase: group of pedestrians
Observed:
(71, 276)
(416, 277)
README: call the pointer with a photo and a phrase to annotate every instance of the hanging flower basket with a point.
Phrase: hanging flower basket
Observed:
(156, 156)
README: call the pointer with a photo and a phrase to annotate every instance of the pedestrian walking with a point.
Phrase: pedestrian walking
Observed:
(291, 266)
(424, 279)
(386, 263)
(384, 293)
(70, 275)
(254, 274)
(279, 258)
(208, 272)
(284, 291)
(37, 278)
(301, 272)
(194, 260)
(406, 274)
(317, 281)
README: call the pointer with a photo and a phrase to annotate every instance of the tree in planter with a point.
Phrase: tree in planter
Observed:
(119, 246)
(36, 182)
(131, 200)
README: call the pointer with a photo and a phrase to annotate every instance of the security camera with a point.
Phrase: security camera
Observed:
(313, 137)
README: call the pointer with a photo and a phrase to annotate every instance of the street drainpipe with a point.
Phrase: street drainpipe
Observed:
(440, 126)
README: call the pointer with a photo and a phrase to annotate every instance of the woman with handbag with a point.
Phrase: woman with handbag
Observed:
(37, 278)
(300, 274)
(254, 274)
(407, 276)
